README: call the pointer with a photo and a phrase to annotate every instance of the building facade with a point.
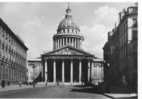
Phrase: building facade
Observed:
(120, 51)
(111, 57)
(13, 56)
(35, 70)
(68, 63)
(97, 72)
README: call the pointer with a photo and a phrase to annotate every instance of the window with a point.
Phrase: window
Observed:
(3, 46)
(129, 35)
(130, 22)
(66, 30)
(130, 10)
(134, 34)
(6, 36)
(70, 30)
(3, 34)
(62, 31)
(134, 22)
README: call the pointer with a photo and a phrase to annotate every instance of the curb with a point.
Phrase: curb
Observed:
(121, 96)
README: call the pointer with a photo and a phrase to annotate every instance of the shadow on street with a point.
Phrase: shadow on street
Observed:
(86, 89)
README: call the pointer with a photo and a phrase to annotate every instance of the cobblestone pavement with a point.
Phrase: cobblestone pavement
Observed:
(41, 91)
(52, 92)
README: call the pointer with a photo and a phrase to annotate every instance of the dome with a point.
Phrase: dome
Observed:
(67, 22)
(68, 33)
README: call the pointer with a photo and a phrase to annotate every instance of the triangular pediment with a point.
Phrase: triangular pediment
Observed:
(68, 51)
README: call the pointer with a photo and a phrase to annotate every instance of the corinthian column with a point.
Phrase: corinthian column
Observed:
(80, 71)
(57, 43)
(70, 41)
(78, 43)
(63, 41)
(63, 75)
(88, 71)
(54, 64)
(71, 75)
(45, 70)
(74, 42)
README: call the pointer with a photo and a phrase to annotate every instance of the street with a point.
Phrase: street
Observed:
(52, 92)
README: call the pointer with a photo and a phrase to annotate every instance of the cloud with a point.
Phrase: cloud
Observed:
(37, 36)
(36, 23)
(28, 24)
(106, 15)
(96, 35)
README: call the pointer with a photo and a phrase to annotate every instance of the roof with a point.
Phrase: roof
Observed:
(6, 28)
(98, 60)
(35, 59)
(68, 22)
(70, 51)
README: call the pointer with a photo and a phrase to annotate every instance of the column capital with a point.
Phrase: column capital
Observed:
(62, 61)
(80, 60)
(54, 60)
(71, 61)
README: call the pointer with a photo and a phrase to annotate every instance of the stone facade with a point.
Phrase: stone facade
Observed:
(13, 56)
(120, 51)
(35, 70)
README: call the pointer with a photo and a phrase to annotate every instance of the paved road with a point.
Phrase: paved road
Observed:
(52, 92)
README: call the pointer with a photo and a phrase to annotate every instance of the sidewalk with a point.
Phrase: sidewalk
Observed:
(121, 96)
(15, 87)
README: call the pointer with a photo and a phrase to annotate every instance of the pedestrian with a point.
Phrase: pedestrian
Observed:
(34, 84)
(3, 83)
(8, 83)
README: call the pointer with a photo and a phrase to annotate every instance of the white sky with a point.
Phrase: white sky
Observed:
(36, 23)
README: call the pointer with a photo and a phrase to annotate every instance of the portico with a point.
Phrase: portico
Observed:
(68, 68)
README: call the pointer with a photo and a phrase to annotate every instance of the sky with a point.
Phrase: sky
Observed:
(36, 23)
